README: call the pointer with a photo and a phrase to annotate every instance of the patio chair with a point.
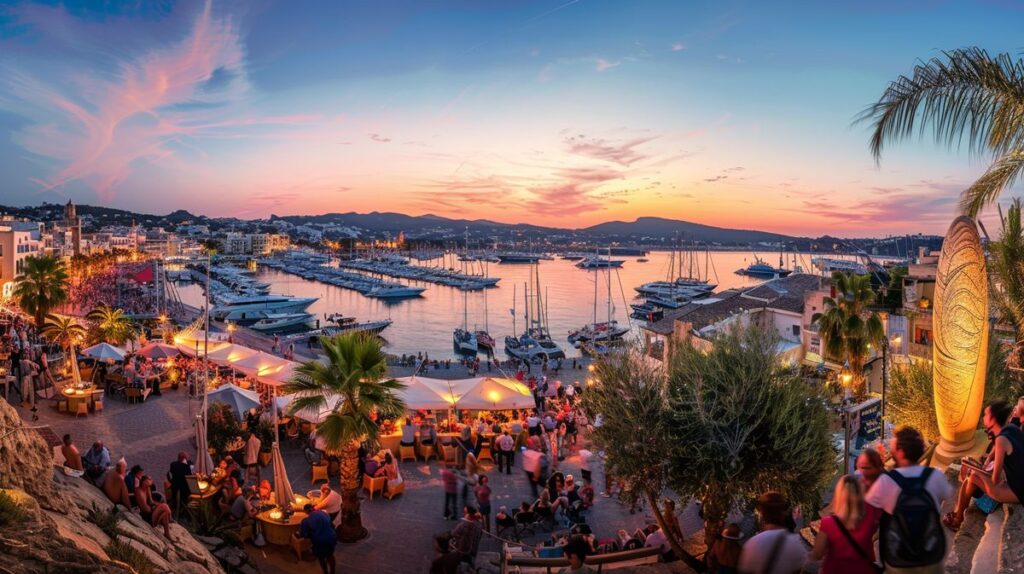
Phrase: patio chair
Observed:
(82, 410)
(300, 546)
(374, 484)
(526, 521)
(406, 452)
(319, 473)
(427, 452)
(395, 490)
(485, 452)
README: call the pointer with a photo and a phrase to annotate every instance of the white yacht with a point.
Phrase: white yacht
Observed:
(235, 308)
(389, 291)
(279, 321)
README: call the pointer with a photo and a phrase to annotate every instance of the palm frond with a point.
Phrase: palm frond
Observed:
(1002, 174)
(964, 96)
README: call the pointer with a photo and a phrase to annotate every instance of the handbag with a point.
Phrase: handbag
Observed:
(856, 547)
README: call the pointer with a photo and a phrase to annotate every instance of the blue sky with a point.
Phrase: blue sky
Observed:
(560, 113)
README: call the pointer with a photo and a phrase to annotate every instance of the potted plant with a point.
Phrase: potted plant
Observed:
(265, 432)
(222, 427)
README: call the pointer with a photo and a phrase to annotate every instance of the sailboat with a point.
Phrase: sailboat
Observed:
(534, 344)
(484, 340)
(465, 341)
(680, 287)
(606, 332)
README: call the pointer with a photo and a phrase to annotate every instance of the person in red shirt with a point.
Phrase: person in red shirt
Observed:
(845, 543)
(450, 480)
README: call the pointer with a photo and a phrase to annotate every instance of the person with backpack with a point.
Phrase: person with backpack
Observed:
(775, 550)
(912, 539)
(845, 543)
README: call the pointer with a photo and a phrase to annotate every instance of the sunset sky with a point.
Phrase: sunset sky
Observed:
(565, 113)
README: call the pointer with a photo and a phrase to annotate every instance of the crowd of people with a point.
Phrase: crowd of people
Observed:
(114, 284)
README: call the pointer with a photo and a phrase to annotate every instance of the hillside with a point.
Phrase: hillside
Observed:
(658, 227)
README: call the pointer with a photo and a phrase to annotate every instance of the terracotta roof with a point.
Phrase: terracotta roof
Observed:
(785, 294)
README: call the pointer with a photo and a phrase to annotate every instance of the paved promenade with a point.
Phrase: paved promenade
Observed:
(151, 433)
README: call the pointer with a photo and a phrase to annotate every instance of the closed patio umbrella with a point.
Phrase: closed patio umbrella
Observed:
(283, 494)
(204, 464)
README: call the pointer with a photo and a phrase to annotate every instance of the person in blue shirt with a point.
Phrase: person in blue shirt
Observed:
(318, 528)
(97, 460)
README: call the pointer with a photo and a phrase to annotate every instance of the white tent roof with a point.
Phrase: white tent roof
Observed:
(231, 353)
(282, 375)
(425, 393)
(259, 364)
(488, 393)
(313, 416)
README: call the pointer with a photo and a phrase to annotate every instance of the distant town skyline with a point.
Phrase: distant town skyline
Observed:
(563, 114)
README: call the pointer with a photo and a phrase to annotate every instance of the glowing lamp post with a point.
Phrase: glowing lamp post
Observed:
(960, 350)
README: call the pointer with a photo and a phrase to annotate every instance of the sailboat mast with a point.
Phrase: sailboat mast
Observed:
(514, 310)
(487, 326)
(609, 291)
(595, 298)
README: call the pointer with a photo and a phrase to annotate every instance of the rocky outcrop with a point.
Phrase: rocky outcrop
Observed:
(1011, 547)
(59, 533)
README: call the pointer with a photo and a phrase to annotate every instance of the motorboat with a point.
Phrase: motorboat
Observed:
(485, 342)
(349, 325)
(830, 265)
(237, 308)
(573, 256)
(763, 270)
(599, 263)
(465, 342)
(607, 332)
(390, 291)
(281, 321)
(647, 312)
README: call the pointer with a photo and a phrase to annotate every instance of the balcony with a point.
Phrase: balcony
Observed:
(920, 350)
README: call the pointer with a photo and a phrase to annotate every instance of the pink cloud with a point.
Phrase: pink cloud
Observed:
(603, 64)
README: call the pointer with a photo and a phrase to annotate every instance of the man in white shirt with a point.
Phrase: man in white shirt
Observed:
(329, 502)
(531, 466)
(907, 447)
(252, 455)
(774, 550)
(506, 452)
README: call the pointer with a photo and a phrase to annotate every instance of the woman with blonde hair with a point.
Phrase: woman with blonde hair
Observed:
(845, 543)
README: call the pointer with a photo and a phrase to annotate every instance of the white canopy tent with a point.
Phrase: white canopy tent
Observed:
(259, 364)
(426, 394)
(229, 354)
(315, 416)
(488, 393)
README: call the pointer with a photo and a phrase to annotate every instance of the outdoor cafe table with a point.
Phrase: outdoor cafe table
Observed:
(280, 531)
(78, 396)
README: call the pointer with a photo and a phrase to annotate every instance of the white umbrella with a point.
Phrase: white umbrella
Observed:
(259, 364)
(159, 351)
(230, 353)
(418, 394)
(489, 393)
(282, 488)
(239, 399)
(204, 464)
(104, 351)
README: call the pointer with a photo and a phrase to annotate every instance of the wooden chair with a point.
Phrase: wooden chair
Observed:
(319, 473)
(406, 452)
(133, 394)
(450, 455)
(300, 546)
(427, 452)
(395, 490)
(97, 406)
(374, 484)
(62, 405)
(82, 410)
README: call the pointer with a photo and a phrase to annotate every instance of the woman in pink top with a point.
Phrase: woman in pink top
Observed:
(845, 543)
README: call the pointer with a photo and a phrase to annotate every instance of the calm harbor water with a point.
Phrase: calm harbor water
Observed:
(425, 324)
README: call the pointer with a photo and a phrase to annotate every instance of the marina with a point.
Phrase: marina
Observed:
(425, 323)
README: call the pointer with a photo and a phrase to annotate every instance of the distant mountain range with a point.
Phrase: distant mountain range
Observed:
(650, 231)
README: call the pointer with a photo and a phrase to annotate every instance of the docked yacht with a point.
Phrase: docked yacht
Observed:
(465, 342)
(830, 265)
(762, 270)
(349, 325)
(281, 321)
(533, 349)
(599, 263)
(606, 332)
(239, 308)
(518, 258)
(394, 291)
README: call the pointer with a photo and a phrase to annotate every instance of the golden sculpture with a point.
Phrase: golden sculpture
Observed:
(960, 349)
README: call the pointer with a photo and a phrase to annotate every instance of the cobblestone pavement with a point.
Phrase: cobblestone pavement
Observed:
(152, 433)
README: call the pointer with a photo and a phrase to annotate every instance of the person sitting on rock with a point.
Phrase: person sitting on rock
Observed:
(114, 486)
(96, 460)
(72, 459)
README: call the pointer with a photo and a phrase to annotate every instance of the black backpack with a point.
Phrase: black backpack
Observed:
(912, 535)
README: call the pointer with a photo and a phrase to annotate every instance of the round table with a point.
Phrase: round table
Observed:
(277, 531)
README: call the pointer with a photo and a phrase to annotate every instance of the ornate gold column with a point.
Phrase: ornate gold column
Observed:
(960, 351)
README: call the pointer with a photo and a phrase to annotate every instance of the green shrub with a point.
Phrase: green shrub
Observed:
(106, 520)
(10, 511)
(126, 553)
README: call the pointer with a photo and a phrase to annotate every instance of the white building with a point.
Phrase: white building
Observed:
(18, 241)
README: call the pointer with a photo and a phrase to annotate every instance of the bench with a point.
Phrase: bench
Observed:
(526, 564)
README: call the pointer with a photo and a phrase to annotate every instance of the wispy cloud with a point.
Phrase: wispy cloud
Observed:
(620, 152)
(146, 106)
(603, 64)
(678, 47)
(379, 138)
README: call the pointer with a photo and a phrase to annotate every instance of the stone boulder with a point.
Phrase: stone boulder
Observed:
(24, 457)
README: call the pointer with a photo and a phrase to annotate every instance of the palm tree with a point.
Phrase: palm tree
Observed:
(41, 287)
(965, 95)
(848, 328)
(112, 325)
(353, 385)
(1006, 266)
(66, 332)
